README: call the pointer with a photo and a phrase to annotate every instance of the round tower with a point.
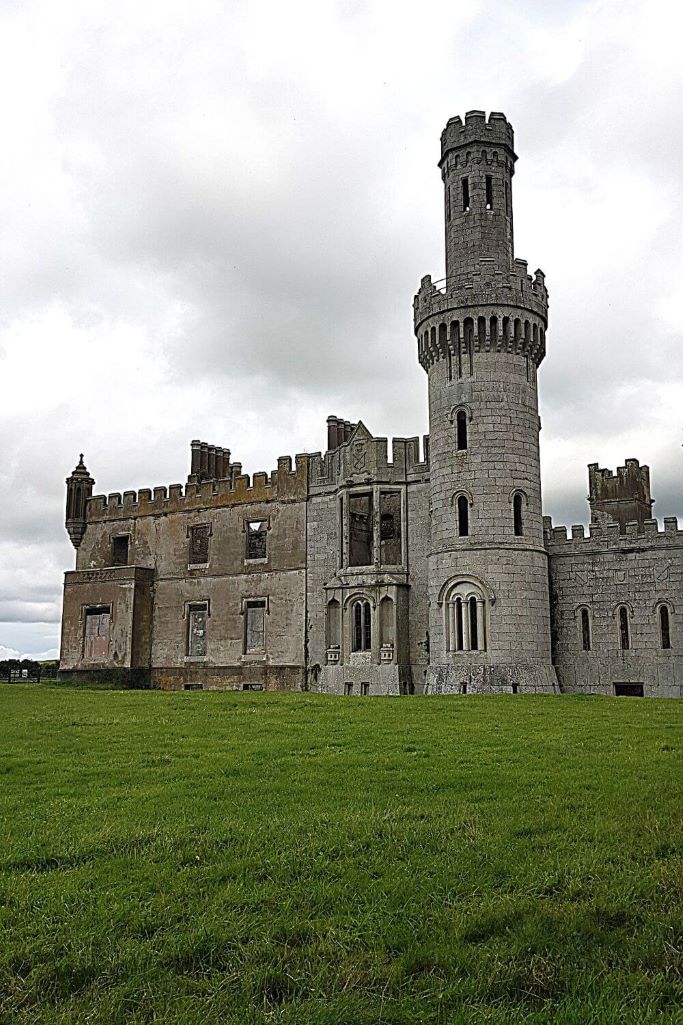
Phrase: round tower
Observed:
(481, 338)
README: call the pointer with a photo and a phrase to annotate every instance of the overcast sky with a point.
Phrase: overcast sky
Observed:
(215, 216)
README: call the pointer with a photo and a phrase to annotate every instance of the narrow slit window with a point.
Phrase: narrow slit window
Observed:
(448, 202)
(585, 630)
(474, 637)
(461, 430)
(466, 194)
(664, 627)
(463, 516)
(518, 522)
(624, 633)
(489, 192)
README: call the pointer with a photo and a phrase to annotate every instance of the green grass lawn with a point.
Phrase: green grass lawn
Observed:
(257, 858)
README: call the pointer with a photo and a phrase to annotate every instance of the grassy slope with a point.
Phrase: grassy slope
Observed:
(281, 858)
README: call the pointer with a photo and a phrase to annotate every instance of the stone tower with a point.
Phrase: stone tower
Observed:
(481, 338)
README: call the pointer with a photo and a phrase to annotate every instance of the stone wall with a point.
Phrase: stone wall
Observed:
(601, 571)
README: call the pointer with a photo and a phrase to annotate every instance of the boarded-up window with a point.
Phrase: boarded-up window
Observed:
(255, 627)
(257, 531)
(390, 528)
(119, 550)
(360, 530)
(97, 629)
(196, 630)
(199, 544)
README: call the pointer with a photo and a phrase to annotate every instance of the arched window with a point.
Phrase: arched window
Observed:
(664, 627)
(463, 516)
(362, 626)
(518, 523)
(465, 618)
(386, 622)
(333, 623)
(624, 632)
(585, 630)
(461, 430)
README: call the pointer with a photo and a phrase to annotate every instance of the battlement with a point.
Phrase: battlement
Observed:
(622, 496)
(363, 458)
(600, 536)
(283, 484)
(484, 285)
(494, 131)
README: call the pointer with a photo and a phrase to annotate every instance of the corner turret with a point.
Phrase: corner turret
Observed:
(620, 498)
(78, 490)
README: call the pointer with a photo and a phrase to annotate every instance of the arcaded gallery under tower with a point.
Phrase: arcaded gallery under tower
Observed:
(420, 567)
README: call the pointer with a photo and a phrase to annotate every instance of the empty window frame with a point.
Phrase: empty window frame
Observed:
(629, 690)
(199, 544)
(257, 534)
(364, 690)
(119, 549)
(361, 625)
(489, 192)
(197, 616)
(624, 628)
(390, 528)
(97, 632)
(348, 689)
(461, 430)
(517, 515)
(360, 529)
(585, 621)
(463, 515)
(255, 626)
(466, 194)
(664, 617)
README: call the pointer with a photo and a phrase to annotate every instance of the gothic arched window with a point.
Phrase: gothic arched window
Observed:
(361, 625)
(465, 618)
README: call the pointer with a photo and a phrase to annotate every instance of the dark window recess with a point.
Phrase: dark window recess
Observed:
(252, 686)
(624, 635)
(664, 627)
(193, 686)
(196, 630)
(515, 688)
(465, 194)
(461, 430)
(448, 202)
(119, 550)
(362, 626)
(585, 630)
(257, 532)
(629, 690)
(255, 628)
(360, 530)
(199, 544)
(97, 627)
(348, 689)
(489, 192)
(364, 690)
(518, 523)
(507, 199)
(390, 528)
(474, 637)
(463, 516)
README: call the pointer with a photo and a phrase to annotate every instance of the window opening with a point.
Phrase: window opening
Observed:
(474, 639)
(348, 689)
(196, 630)
(463, 516)
(360, 530)
(255, 627)
(624, 636)
(97, 629)
(489, 192)
(461, 430)
(664, 627)
(333, 623)
(629, 690)
(362, 626)
(119, 550)
(585, 630)
(252, 686)
(199, 544)
(464, 611)
(518, 522)
(466, 194)
(257, 533)
(448, 202)
(390, 528)
(364, 690)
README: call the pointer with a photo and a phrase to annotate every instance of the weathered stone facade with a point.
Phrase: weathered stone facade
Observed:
(427, 568)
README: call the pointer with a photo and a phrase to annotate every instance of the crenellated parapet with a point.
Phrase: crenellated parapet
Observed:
(579, 540)
(494, 132)
(363, 458)
(283, 485)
